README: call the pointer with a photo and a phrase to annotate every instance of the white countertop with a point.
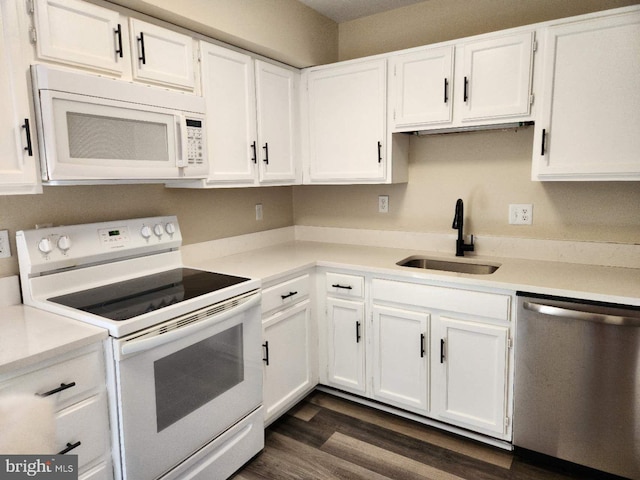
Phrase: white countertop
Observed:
(599, 283)
(29, 336)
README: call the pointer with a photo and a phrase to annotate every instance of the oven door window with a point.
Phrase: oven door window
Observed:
(195, 375)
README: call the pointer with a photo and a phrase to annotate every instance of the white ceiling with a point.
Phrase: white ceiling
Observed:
(345, 10)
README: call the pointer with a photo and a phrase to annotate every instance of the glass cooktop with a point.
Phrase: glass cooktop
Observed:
(131, 298)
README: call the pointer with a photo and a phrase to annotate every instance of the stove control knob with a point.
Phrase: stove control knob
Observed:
(145, 231)
(170, 228)
(158, 230)
(44, 245)
(64, 243)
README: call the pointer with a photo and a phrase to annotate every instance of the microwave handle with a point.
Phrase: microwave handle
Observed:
(182, 160)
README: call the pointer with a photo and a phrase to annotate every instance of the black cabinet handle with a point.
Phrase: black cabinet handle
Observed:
(70, 446)
(265, 359)
(357, 332)
(544, 138)
(379, 152)
(290, 294)
(27, 129)
(345, 287)
(446, 90)
(466, 89)
(422, 351)
(254, 159)
(442, 350)
(266, 153)
(142, 57)
(63, 386)
(118, 32)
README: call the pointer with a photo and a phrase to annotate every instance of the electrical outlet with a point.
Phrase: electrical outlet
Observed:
(5, 246)
(383, 203)
(258, 211)
(520, 214)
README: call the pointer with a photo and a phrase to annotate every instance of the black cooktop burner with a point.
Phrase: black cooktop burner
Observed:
(130, 298)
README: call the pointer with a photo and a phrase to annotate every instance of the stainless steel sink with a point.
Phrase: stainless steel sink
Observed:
(449, 265)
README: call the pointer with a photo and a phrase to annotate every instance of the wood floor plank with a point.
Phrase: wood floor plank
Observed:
(305, 411)
(286, 459)
(424, 433)
(383, 461)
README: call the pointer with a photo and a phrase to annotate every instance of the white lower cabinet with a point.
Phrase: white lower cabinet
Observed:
(401, 358)
(346, 346)
(469, 374)
(289, 354)
(441, 352)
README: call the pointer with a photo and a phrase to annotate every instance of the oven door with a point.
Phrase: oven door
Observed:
(186, 381)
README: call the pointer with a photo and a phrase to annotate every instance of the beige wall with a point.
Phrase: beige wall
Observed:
(489, 170)
(285, 30)
(435, 21)
(202, 214)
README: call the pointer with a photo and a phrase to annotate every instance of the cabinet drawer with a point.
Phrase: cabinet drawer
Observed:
(345, 285)
(491, 305)
(285, 293)
(85, 423)
(85, 372)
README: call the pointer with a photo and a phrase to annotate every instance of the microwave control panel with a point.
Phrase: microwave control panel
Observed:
(195, 146)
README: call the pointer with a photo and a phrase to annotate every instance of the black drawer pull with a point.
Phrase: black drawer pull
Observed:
(466, 89)
(118, 32)
(422, 351)
(254, 159)
(70, 446)
(544, 138)
(345, 287)
(27, 128)
(63, 386)
(357, 332)
(442, 350)
(142, 57)
(379, 152)
(265, 359)
(266, 153)
(290, 294)
(446, 90)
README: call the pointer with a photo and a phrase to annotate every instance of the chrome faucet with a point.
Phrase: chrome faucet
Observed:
(458, 222)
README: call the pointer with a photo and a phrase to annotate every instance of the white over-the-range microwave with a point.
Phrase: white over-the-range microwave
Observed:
(94, 129)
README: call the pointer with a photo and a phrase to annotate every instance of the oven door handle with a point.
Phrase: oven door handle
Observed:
(144, 344)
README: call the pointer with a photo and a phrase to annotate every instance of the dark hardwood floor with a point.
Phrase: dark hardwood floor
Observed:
(326, 437)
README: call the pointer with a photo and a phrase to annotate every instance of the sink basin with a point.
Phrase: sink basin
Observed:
(448, 265)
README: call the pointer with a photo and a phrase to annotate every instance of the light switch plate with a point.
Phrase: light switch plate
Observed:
(5, 246)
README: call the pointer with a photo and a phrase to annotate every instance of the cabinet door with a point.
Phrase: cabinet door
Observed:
(80, 33)
(470, 375)
(276, 111)
(496, 78)
(161, 56)
(18, 170)
(591, 106)
(287, 368)
(422, 88)
(400, 357)
(347, 122)
(346, 351)
(229, 93)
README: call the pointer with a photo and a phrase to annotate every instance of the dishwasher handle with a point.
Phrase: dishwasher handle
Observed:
(554, 311)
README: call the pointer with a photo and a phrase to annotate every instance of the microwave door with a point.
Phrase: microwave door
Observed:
(88, 138)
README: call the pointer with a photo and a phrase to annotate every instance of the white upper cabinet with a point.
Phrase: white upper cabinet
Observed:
(161, 55)
(496, 78)
(421, 92)
(276, 95)
(18, 161)
(479, 82)
(347, 136)
(252, 116)
(590, 121)
(229, 92)
(81, 34)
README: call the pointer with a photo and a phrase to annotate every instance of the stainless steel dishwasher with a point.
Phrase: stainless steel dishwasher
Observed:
(577, 382)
